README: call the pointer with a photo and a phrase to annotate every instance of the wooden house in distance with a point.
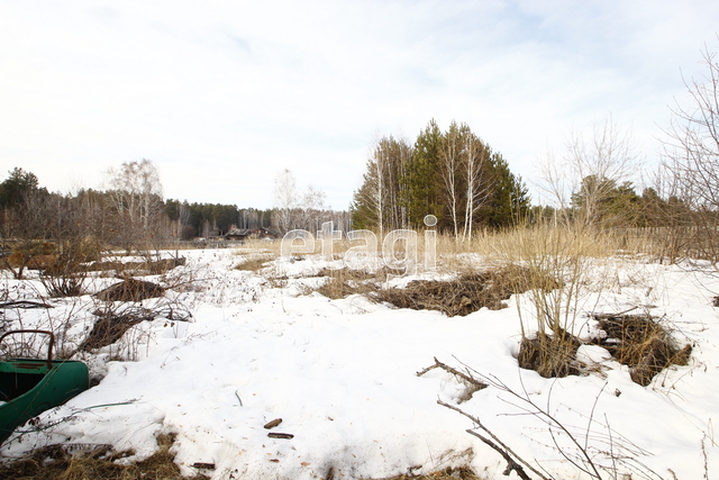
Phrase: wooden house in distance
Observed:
(261, 233)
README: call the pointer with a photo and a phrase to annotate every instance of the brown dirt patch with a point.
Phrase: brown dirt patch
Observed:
(110, 327)
(112, 324)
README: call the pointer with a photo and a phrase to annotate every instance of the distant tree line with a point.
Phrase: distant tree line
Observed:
(128, 214)
(602, 202)
(131, 213)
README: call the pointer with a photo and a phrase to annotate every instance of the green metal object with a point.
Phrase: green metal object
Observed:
(31, 386)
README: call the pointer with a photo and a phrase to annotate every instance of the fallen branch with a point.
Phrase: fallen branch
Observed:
(499, 446)
(467, 378)
(25, 304)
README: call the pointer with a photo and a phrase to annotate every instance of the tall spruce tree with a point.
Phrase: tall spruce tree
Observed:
(509, 200)
(423, 182)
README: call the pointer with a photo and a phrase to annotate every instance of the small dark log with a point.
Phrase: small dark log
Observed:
(273, 423)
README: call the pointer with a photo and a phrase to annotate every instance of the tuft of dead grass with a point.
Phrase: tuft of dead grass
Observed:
(56, 462)
(346, 281)
(255, 263)
(641, 343)
(638, 341)
(550, 355)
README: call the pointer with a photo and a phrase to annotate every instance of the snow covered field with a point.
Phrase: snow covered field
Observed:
(341, 374)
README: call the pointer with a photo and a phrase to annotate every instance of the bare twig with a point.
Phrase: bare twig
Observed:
(551, 420)
(467, 378)
(497, 445)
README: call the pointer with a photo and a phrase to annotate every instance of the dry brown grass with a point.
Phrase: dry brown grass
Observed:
(255, 263)
(568, 255)
(467, 293)
(345, 282)
(259, 246)
(550, 355)
(641, 343)
(56, 463)
(461, 473)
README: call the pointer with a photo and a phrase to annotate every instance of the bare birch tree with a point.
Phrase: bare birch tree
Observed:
(286, 199)
(475, 159)
(311, 207)
(138, 207)
(591, 166)
(450, 160)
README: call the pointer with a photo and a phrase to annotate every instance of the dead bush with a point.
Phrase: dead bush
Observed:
(67, 285)
(64, 277)
(112, 324)
(130, 290)
(466, 294)
(641, 343)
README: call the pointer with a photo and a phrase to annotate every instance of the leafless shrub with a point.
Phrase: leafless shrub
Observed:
(113, 322)
(29, 344)
(64, 278)
(596, 450)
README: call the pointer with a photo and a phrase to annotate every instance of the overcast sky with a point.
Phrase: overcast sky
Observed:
(223, 95)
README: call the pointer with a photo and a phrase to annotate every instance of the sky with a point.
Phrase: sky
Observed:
(222, 96)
